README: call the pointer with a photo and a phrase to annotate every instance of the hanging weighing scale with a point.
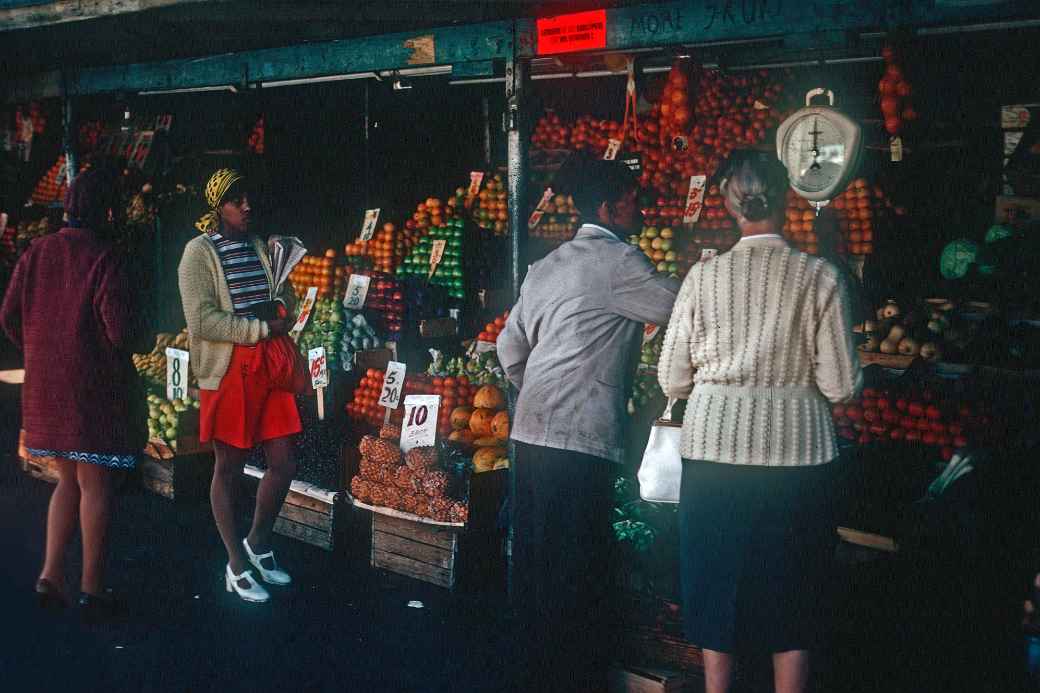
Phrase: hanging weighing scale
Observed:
(820, 146)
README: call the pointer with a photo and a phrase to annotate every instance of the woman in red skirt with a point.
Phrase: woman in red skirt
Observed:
(224, 274)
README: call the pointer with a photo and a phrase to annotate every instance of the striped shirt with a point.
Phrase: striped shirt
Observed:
(244, 273)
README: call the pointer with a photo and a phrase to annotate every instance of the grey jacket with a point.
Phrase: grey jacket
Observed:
(570, 341)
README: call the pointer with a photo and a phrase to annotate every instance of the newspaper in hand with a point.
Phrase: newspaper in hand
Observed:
(285, 253)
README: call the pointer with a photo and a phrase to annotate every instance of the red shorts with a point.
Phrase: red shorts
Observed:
(246, 410)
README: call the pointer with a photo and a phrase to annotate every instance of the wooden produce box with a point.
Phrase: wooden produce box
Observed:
(417, 550)
(894, 361)
(310, 514)
(38, 467)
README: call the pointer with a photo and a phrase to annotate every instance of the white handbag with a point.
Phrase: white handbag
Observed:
(661, 471)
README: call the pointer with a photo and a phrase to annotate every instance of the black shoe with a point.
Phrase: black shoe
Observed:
(98, 608)
(50, 597)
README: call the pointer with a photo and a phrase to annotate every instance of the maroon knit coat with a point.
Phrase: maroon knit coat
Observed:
(70, 309)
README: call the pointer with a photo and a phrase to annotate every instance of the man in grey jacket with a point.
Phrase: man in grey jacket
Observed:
(568, 347)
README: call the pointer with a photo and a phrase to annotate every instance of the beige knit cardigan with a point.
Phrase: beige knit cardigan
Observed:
(760, 339)
(213, 327)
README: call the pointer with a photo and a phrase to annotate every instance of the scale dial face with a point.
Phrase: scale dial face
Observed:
(820, 147)
(815, 154)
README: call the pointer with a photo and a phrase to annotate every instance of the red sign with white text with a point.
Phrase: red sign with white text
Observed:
(567, 33)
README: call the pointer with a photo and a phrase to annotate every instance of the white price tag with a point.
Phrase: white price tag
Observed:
(176, 373)
(694, 199)
(420, 421)
(896, 147)
(357, 291)
(319, 367)
(305, 313)
(613, 147)
(393, 385)
(476, 178)
(536, 215)
(368, 229)
(436, 254)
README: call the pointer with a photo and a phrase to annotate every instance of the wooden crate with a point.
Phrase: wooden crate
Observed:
(183, 477)
(310, 514)
(424, 552)
(37, 467)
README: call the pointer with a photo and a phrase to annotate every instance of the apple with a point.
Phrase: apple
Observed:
(868, 403)
(879, 430)
(930, 352)
(960, 442)
(901, 404)
(890, 416)
(853, 412)
(838, 410)
(884, 403)
(937, 427)
(897, 333)
(915, 409)
(869, 393)
(928, 438)
(847, 433)
(946, 453)
(889, 346)
(923, 425)
(908, 347)
(912, 435)
(864, 438)
(932, 412)
(897, 433)
(890, 310)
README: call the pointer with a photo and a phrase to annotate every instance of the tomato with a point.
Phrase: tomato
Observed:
(879, 430)
(450, 383)
(901, 404)
(937, 427)
(912, 435)
(960, 441)
(853, 412)
(897, 433)
(869, 403)
(864, 438)
(884, 403)
(915, 409)
(946, 453)
(462, 380)
(437, 382)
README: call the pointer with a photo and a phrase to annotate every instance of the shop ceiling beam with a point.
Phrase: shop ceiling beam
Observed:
(443, 46)
(30, 14)
(693, 22)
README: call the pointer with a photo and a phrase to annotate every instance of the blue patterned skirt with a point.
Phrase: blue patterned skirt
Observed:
(99, 458)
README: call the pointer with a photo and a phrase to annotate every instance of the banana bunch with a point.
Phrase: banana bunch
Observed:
(152, 366)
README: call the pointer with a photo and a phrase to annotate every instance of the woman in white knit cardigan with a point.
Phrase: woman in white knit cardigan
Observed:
(760, 342)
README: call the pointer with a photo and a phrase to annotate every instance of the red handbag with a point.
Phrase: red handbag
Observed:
(285, 365)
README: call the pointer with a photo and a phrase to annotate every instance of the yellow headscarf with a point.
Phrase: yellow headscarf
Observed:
(218, 185)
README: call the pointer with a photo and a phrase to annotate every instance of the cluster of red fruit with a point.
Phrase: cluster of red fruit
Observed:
(914, 417)
(256, 137)
(365, 404)
(550, 133)
(89, 134)
(894, 94)
(494, 328)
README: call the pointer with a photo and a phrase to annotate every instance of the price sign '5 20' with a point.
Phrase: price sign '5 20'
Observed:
(393, 385)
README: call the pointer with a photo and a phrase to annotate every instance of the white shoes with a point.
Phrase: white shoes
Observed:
(272, 576)
(253, 593)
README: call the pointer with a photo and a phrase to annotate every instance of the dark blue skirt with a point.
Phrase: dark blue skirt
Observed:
(756, 554)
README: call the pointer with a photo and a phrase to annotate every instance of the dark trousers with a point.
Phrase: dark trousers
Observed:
(562, 542)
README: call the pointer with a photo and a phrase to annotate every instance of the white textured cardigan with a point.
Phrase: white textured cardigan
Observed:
(759, 340)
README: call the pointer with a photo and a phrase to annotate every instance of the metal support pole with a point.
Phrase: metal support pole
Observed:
(485, 108)
(516, 169)
(368, 147)
(69, 135)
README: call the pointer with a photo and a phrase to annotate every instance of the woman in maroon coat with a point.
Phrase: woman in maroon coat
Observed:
(69, 309)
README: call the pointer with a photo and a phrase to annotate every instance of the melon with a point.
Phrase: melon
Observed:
(485, 458)
(500, 425)
(489, 397)
(480, 422)
(460, 417)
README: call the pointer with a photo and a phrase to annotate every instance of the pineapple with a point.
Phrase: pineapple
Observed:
(422, 506)
(391, 432)
(376, 495)
(369, 470)
(406, 480)
(421, 459)
(409, 501)
(440, 509)
(384, 452)
(435, 484)
(365, 446)
(459, 512)
(360, 488)
(392, 497)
